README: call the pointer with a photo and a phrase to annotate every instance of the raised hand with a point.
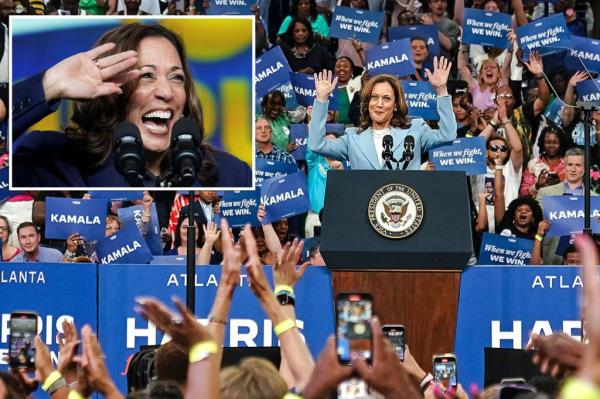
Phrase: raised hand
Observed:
(324, 84)
(211, 234)
(439, 77)
(284, 271)
(577, 77)
(68, 344)
(232, 257)
(87, 75)
(535, 64)
(256, 274)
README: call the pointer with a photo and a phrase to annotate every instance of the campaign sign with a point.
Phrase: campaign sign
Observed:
(464, 154)
(240, 207)
(486, 28)
(586, 51)
(55, 293)
(589, 90)
(421, 99)
(337, 128)
(304, 89)
(65, 216)
(565, 214)
(284, 196)
(230, 7)
(125, 246)
(394, 58)
(248, 326)
(352, 23)
(168, 260)
(429, 33)
(272, 71)
(268, 169)
(299, 135)
(117, 195)
(132, 215)
(503, 250)
(287, 89)
(516, 302)
(4, 193)
(547, 35)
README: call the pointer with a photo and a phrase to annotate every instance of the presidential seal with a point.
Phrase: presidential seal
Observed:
(395, 211)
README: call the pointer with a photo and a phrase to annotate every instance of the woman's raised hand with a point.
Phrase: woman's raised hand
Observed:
(324, 84)
(88, 75)
(441, 70)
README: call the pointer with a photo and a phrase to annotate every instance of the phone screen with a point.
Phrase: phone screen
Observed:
(395, 334)
(354, 312)
(444, 371)
(23, 329)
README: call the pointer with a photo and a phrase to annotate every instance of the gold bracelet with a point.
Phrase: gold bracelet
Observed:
(214, 319)
(284, 326)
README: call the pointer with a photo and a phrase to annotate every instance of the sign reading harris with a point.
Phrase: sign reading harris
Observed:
(486, 28)
(394, 58)
(503, 250)
(284, 197)
(421, 99)
(589, 90)
(272, 71)
(565, 214)
(547, 35)
(299, 135)
(229, 7)
(269, 169)
(429, 33)
(65, 216)
(125, 246)
(132, 215)
(240, 207)
(586, 51)
(304, 89)
(464, 154)
(352, 23)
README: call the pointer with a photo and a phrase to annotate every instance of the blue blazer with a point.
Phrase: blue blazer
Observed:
(43, 159)
(358, 148)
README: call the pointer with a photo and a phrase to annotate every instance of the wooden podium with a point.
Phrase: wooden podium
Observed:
(414, 280)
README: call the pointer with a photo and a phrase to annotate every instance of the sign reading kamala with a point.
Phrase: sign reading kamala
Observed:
(284, 197)
(548, 35)
(565, 214)
(272, 71)
(229, 7)
(352, 23)
(429, 33)
(125, 246)
(133, 215)
(394, 58)
(589, 90)
(503, 250)
(304, 88)
(240, 207)
(269, 169)
(521, 300)
(299, 136)
(421, 99)
(65, 216)
(586, 51)
(464, 154)
(486, 28)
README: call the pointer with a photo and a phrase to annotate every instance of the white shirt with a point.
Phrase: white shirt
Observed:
(378, 142)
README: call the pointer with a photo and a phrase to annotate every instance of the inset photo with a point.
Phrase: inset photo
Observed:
(113, 102)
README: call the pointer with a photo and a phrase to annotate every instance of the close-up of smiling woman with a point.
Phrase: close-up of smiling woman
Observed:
(136, 73)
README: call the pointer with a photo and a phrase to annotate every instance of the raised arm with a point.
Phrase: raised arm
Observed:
(499, 202)
(569, 112)
(211, 235)
(271, 238)
(447, 131)
(463, 70)
(459, 11)
(536, 67)
(516, 147)
(506, 65)
(519, 12)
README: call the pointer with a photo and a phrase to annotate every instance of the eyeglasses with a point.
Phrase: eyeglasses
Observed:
(496, 148)
(2, 228)
(502, 95)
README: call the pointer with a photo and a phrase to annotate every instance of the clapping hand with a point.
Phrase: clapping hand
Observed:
(324, 84)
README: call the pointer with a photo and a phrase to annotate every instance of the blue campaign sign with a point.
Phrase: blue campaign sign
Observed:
(132, 215)
(117, 195)
(168, 260)
(486, 28)
(299, 135)
(589, 90)
(268, 169)
(521, 301)
(304, 89)
(247, 327)
(284, 196)
(272, 71)
(337, 128)
(429, 33)
(503, 250)
(4, 193)
(546, 35)
(352, 23)
(125, 246)
(230, 7)
(464, 154)
(584, 51)
(565, 214)
(65, 216)
(421, 99)
(394, 58)
(240, 207)
(288, 93)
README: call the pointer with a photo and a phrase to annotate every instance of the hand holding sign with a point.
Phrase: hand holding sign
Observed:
(439, 77)
(324, 85)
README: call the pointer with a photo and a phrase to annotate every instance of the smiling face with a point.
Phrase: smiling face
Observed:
(381, 105)
(4, 230)
(523, 216)
(29, 239)
(343, 70)
(263, 131)
(489, 73)
(160, 96)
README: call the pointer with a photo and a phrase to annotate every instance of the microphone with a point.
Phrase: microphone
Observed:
(129, 153)
(186, 157)
(387, 154)
(408, 153)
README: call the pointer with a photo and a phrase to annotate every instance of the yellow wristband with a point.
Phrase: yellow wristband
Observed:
(286, 288)
(51, 379)
(577, 388)
(284, 326)
(291, 395)
(539, 237)
(201, 350)
(73, 394)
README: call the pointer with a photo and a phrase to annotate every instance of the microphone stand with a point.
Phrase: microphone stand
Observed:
(587, 107)
(190, 288)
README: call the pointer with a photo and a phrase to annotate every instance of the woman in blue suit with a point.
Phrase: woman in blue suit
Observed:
(383, 112)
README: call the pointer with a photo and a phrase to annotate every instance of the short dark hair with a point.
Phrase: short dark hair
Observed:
(171, 364)
(27, 224)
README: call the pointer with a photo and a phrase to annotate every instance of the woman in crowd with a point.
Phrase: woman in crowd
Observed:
(348, 86)
(180, 242)
(521, 219)
(274, 112)
(302, 52)
(307, 9)
(113, 224)
(8, 251)
(137, 73)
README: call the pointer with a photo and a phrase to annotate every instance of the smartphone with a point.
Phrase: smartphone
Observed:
(353, 329)
(354, 388)
(444, 370)
(395, 334)
(23, 329)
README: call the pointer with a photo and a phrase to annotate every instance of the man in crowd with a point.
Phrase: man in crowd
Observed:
(29, 240)
(265, 148)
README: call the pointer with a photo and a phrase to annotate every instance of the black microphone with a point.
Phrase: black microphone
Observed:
(408, 153)
(129, 153)
(387, 154)
(186, 157)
